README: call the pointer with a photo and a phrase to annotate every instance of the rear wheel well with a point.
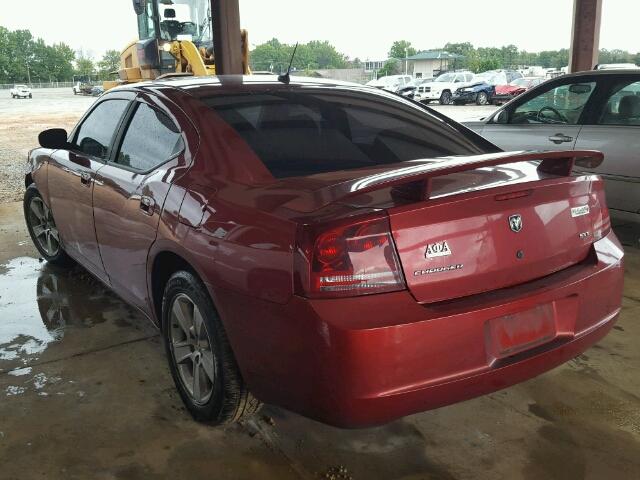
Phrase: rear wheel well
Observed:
(165, 264)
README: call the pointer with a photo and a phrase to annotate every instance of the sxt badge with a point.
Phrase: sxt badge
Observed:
(438, 249)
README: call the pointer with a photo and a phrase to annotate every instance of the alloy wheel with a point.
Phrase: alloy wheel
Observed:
(191, 349)
(482, 98)
(43, 227)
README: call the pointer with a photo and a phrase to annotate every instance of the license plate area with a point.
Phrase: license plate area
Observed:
(512, 334)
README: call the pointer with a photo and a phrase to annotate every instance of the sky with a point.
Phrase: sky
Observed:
(357, 28)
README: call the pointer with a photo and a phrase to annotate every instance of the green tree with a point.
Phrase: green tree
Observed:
(23, 58)
(109, 63)
(401, 49)
(390, 67)
(275, 56)
(84, 64)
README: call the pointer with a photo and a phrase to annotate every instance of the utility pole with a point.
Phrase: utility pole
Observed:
(406, 60)
(28, 73)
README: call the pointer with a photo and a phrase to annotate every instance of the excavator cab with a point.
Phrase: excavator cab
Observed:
(175, 36)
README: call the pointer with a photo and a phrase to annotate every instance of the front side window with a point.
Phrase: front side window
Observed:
(623, 105)
(96, 132)
(560, 105)
(306, 133)
(151, 139)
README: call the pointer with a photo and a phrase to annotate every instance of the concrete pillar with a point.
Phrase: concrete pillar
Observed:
(585, 35)
(227, 42)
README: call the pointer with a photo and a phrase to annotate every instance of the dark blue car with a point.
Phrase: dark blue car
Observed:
(482, 87)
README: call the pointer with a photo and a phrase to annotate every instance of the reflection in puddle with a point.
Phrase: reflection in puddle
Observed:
(22, 332)
(39, 302)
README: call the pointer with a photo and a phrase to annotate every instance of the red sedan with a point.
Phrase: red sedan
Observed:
(506, 93)
(341, 252)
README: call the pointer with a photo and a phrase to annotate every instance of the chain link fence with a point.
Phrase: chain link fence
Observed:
(5, 86)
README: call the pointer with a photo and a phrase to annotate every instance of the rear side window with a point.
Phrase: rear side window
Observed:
(96, 132)
(151, 139)
(316, 131)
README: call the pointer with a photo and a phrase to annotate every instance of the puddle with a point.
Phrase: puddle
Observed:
(22, 330)
(39, 303)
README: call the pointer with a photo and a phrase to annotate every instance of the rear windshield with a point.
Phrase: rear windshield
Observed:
(305, 132)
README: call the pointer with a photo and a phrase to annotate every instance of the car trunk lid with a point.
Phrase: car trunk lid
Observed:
(466, 228)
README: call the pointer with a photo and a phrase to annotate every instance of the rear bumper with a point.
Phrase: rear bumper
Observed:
(363, 361)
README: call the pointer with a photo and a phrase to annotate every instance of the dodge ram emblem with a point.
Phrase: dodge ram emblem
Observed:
(515, 222)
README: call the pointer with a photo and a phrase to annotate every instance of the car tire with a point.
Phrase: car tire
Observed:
(482, 98)
(42, 228)
(202, 364)
(445, 98)
(30, 96)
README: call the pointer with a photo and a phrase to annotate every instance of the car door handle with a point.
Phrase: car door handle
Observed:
(560, 138)
(147, 205)
(85, 178)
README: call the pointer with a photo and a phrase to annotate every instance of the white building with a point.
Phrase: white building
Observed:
(432, 63)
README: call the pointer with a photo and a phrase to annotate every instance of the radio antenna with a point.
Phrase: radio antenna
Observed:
(286, 78)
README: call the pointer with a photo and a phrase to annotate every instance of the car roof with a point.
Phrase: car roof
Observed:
(603, 72)
(202, 86)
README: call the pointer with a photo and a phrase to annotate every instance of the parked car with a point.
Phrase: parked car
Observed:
(334, 249)
(391, 83)
(442, 88)
(598, 109)
(617, 66)
(482, 87)
(21, 91)
(97, 91)
(506, 93)
(410, 89)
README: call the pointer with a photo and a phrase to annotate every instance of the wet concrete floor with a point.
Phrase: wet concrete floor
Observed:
(85, 393)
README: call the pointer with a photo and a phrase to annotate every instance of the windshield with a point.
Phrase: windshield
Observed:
(21, 86)
(447, 77)
(520, 82)
(185, 20)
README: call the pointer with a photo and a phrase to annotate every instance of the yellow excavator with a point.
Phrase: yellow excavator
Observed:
(175, 37)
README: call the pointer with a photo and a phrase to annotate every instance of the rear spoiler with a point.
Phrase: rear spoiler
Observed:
(413, 178)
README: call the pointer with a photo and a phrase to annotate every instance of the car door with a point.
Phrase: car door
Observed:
(548, 118)
(71, 175)
(130, 190)
(614, 129)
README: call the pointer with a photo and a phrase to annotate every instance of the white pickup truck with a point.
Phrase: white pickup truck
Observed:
(21, 91)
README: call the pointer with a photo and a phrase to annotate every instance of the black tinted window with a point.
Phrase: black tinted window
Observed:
(95, 133)
(308, 132)
(151, 139)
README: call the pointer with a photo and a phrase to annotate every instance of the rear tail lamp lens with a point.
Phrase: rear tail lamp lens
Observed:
(355, 259)
(601, 221)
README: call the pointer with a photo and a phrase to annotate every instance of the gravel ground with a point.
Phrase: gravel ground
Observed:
(20, 122)
(22, 119)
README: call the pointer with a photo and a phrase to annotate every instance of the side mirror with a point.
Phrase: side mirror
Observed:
(55, 138)
(139, 6)
(501, 117)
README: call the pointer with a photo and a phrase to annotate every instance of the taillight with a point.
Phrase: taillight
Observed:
(602, 220)
(355, 258)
